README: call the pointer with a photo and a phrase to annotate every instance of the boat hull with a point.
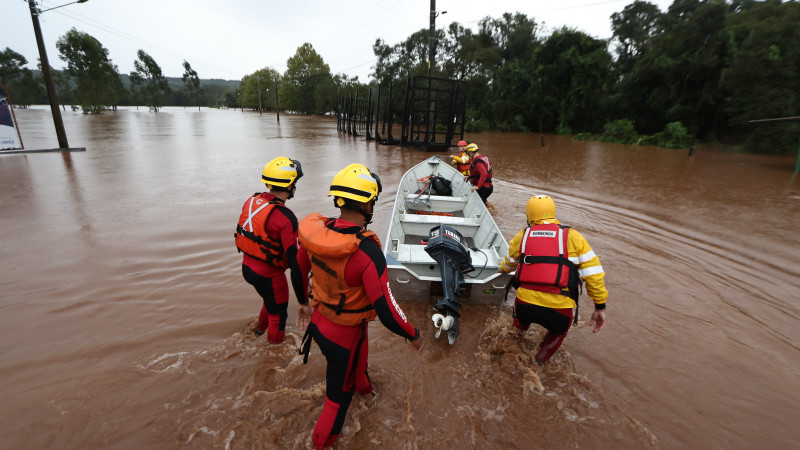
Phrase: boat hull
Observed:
(415, 275)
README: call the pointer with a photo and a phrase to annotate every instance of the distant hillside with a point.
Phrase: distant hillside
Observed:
(175, 83)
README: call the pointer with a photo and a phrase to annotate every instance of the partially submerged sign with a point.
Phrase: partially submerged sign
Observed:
(9, 135)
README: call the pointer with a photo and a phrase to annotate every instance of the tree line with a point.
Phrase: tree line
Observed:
(702, 69)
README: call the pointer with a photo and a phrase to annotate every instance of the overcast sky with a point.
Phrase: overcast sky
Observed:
(231, 38)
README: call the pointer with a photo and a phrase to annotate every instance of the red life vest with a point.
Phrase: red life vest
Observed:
(474, 175)
(251, 233)
(329, 250)
(544, 263)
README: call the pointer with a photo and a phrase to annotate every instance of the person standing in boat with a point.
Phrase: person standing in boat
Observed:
(267, 237)
(480, 172)
(349, 288)
(551, 262)
(461, 161)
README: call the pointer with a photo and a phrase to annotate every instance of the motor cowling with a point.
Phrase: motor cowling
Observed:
(449, 249)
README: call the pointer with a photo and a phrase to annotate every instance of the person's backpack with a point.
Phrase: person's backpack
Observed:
(441, 186)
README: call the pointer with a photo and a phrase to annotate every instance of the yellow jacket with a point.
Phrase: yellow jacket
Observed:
(462, 163)
(580, 253)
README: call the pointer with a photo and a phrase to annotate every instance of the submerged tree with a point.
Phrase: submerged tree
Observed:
(191, 83)
(258, 89)
(149, 80)
(304, 72)
(96, 77)
(23, 86)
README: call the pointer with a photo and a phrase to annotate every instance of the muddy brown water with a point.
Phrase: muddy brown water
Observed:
(125, 322)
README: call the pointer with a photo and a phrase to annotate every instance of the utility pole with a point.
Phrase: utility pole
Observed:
(258, 82)
(432, 41)
(48, 78)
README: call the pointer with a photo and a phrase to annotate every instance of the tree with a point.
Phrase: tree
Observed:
(191, 83)
(633, 28)
(258, 89)
(677, 79)
(149, 80)
(11, 65)
(23, 86)
(95, 76)
(304, 71)
(571, 76)
(761, 80)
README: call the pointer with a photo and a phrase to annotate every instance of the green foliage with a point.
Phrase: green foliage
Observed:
(258, 90)
(191, 84)
(95, 76)
(674, 136)
(11, 65)
(761, 80)
(701, 69)
(304, 72)
(149, 82)
(620, 131)
(24, 87)
(477, 125)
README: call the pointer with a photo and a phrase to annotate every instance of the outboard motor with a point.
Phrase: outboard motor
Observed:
(449, 249)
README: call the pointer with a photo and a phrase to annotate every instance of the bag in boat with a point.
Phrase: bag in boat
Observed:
(441, 186)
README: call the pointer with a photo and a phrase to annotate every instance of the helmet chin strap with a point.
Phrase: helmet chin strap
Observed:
(367, 216)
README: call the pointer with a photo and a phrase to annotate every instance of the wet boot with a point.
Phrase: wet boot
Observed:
(329, 419)
(521, 329)
(549, 346)
(274, 334)
(262, 321)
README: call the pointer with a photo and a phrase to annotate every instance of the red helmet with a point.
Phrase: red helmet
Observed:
(462, 143)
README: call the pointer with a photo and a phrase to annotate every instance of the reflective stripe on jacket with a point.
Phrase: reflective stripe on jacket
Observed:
(580, 252)
(462, 163)
(329, 250)
(251, 235)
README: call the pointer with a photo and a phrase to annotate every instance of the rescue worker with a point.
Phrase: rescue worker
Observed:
(461, 161)
(552, 261)
(267, 237)
(480, 172)
(349, 288)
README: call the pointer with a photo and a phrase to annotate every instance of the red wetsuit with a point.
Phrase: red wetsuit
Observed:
(270, 281)
(346, 346)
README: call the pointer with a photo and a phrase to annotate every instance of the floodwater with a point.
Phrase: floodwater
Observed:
(125, 322)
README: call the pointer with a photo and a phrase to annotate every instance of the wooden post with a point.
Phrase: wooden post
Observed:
(797, 164)
(277, 110)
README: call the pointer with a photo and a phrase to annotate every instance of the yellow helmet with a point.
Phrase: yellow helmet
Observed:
(281, 172)
(357, 183)
(540, 207)
(471, 148)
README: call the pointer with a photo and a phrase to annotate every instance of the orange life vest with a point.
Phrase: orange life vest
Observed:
(544, 263)
(251, 234)
(329, 250)
(463, 167)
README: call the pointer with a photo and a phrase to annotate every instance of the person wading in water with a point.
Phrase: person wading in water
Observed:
(552, 261)
(267, 236)
(461, 161)
(349, 287)
(480, 172)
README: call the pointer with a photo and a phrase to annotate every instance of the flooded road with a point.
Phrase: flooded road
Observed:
(126, 322)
